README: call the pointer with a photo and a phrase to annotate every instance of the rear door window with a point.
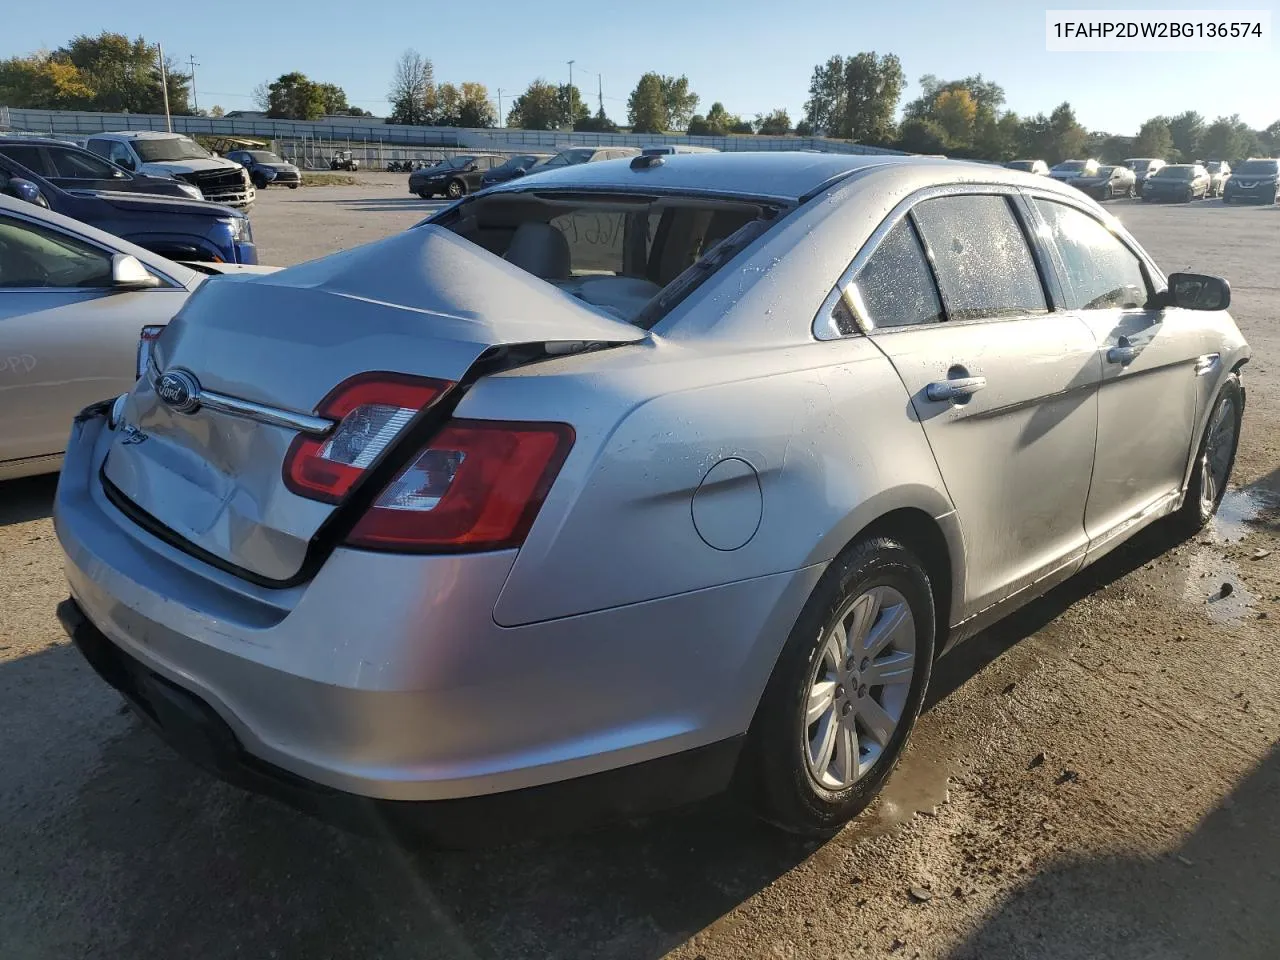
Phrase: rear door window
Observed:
(29, 155)
(80, 165)
(1102, 273)
(895, 287)
(980, 255)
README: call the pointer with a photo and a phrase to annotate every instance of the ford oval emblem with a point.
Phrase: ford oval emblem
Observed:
(180, 390)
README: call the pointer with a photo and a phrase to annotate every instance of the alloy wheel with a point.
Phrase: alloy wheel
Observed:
(858, 687)
(1215, 462)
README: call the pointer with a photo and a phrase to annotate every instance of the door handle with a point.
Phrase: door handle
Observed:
(1121, 355)
(955, 389)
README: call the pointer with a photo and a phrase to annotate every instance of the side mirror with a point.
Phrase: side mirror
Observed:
(26, 190)
(128, 273)
(470, 168)
(128, 163)
(1197, 291)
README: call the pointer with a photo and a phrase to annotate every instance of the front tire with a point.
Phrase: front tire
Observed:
(845, 692)
(455, 189)
(1215, 459)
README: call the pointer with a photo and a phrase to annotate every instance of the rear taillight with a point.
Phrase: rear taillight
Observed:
(371, 410)
(478, 486)
(146, 342)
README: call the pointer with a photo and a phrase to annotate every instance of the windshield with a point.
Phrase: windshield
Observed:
(1214, 166)
(1177, 172)
(457, 162)
(1139, 166)
(1258, 168)
(1070, 166)
(568, 158)
(514, 162)
(1105, 171)
(170, 148)
(264, 156)
(1021, 165)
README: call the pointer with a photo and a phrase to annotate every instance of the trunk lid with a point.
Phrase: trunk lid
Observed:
(425, 303)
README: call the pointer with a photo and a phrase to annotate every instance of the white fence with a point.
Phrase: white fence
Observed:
(365, 137)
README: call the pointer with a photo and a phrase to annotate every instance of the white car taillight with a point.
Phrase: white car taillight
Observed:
(146, 342)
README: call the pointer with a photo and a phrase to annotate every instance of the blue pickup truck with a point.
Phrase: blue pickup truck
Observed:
(180, 229)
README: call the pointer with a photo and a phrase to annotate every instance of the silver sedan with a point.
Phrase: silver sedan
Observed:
(73, 303)
(620, 484)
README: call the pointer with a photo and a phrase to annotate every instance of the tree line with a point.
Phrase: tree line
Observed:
(850, 98)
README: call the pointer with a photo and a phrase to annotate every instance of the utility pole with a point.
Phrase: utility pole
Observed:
(600, 91)
(570, 93)
(164, 86)
(500, 123)
(195, 99)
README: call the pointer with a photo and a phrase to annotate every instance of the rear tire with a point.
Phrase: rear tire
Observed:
(826, 736)
(1215, 459)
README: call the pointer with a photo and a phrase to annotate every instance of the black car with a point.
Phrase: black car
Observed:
(174, 227)
(265, 167)
(1256, 180)
(516, 166)
(454, 177)
(72, 168)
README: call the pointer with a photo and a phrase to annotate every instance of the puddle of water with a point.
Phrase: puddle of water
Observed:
(1239, 508)
(920, 785)
(1206, 574)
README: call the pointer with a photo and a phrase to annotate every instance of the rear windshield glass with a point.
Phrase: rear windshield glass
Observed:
(631, 257)
(264, 156)
(1176, 172)
(177, 148)
(1021, 164)
(1069, 165)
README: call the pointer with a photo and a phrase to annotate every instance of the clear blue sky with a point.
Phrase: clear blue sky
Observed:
(751, 54)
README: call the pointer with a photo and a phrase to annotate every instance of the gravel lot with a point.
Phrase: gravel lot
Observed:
(1098, 777)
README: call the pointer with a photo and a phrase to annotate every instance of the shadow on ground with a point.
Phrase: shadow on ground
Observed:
(30, 498)
(1214, 898)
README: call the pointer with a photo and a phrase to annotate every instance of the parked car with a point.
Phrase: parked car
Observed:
(74, 168)
(589, 518)
(454, 177)
(516, 166)
(1143, 167)
(1068, 170)
(344, 160)
(266, 168)
(1180, 182)
(1038, 167)
(1107, 183)
(175, 155)
(576, 155)
(173, 227)
(1256, 179)
(73, 301)
(1219, 172)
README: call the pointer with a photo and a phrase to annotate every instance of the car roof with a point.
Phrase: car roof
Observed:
(183, 275)
(42, 141)
(783, 175)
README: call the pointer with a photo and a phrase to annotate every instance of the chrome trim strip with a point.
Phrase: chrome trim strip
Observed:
(235, 407)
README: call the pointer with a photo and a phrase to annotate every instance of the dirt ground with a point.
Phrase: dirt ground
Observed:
(1098, 777)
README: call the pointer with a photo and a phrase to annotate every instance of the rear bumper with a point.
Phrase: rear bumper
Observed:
(387, 677)
(196, 731)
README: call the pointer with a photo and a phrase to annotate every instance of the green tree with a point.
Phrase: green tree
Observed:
(335, 100)
(679, 100)
(968, 110)
(921, 136)
(1269, 140)
(775, 123)
(998, 139)
(804, 128)
(292, 96)
(955, 111)
(538, 108)
(597, 123)
(572, 108)
(474, 108)
(124, 74)
(216, 111)
(1068, 137)
(647, 107)
(413, 90)
(448, 106)
(41, 82)
(1154, 139)
(1228, 139)
(1186, 129)
(873, 87)
(824, 111)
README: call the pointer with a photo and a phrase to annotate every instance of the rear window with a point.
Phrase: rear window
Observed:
(631, 257)
(27, 155)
